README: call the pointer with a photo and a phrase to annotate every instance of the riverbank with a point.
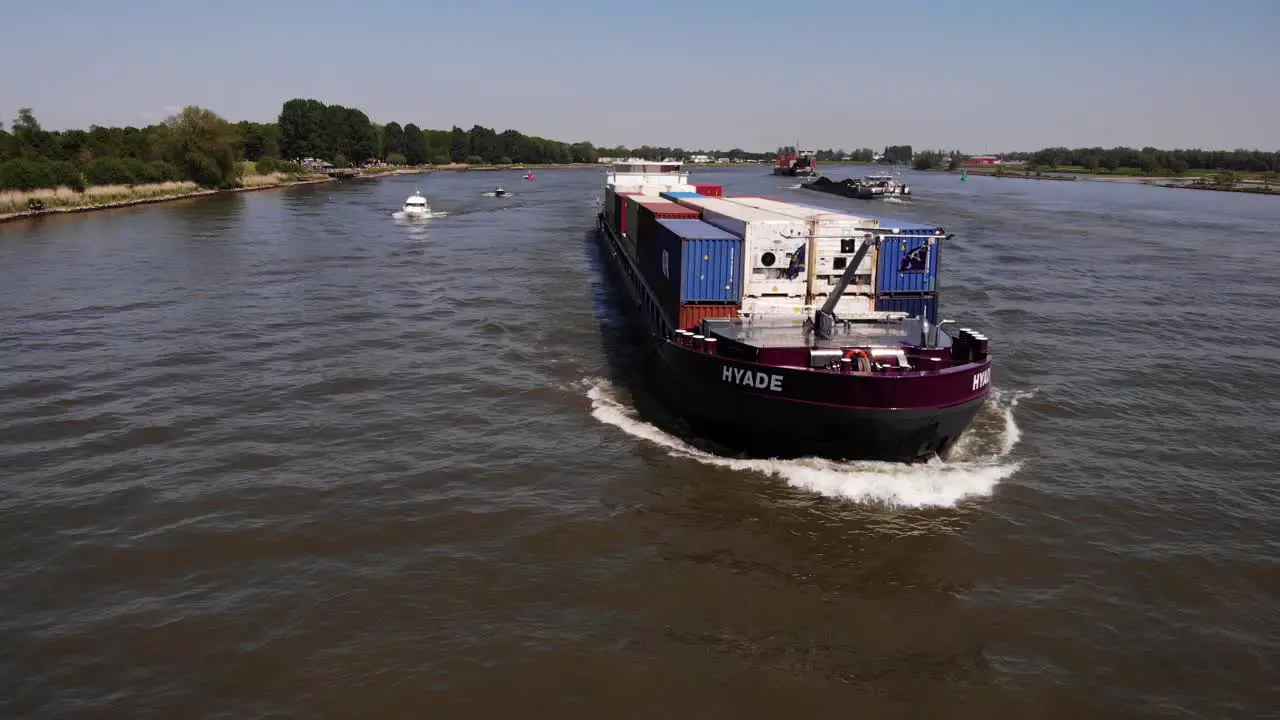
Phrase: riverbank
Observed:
(105, 197)
(1246, 185)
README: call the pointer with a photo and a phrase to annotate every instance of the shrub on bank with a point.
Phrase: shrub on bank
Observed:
(268, 165)
(27, 175)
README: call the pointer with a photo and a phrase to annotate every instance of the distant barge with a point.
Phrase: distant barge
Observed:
(869, 188)
(785, 330)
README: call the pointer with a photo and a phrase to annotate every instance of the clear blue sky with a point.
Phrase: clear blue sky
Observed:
(979, 75)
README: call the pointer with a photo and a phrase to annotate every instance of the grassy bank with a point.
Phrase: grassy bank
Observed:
(16, 204)
(1259, 183)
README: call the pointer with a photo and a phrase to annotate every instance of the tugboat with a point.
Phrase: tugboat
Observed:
(818, 372)
(803, 163)
(887, 185)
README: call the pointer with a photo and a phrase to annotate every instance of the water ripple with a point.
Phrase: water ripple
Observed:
(276, 454)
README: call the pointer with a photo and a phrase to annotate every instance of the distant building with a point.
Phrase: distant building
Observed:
(982, 160)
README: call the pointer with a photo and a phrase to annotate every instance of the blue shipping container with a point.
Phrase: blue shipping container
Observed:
(699, 261)
(913, 306)
(908, 264)
(673, 194)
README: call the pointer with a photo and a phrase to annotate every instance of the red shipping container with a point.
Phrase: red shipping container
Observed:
(620, 210)
(709, 190)
(650, 210)
(691, 316)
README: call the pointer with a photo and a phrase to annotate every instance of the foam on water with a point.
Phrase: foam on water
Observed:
(400, 215)
(978, 461)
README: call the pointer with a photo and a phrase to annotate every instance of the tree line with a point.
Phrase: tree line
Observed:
(309, 129)
(194, 144)
(198, 145)
(1149, 159)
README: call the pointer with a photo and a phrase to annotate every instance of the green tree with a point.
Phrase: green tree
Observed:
(459, 146)
(300, 123)
(30, 137)
(927, 160)
(393, 139)
(204, 146)
(415, 145)
(258, 140)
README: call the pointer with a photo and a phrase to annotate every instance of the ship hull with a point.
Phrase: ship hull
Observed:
(790, 412)
(763, 426)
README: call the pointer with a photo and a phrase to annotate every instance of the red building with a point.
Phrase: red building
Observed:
(982, 160)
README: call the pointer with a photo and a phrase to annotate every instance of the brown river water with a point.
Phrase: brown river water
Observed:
(280, 454)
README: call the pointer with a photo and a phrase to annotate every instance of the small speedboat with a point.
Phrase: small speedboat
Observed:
(499, 192)
(416, 206)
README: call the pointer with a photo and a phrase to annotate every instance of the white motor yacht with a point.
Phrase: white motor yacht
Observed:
(416, 206)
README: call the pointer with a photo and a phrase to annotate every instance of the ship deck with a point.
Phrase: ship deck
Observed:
(891, 333)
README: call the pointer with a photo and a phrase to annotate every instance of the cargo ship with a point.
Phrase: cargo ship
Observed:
(785, 330)
(803, 163)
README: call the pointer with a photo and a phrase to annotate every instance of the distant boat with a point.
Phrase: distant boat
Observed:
(416, 206)
(803, 163)
(499, 192)
(887, 185)
(528, 175)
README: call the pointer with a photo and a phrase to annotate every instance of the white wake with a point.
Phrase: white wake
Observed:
(979, 460)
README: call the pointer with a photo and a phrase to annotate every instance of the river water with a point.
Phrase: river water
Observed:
(279, 454)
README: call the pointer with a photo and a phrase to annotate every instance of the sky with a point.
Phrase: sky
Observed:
(975, 75)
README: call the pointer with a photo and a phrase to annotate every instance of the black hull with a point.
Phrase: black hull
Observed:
(762, 426)
(757, 425)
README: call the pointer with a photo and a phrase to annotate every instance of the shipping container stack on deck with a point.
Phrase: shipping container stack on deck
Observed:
(836, 237)
(623, 206)
(776, 256)
(694, 268)
(644, 211)
(907, 269)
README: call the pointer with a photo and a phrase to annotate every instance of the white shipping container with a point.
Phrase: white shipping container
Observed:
(653, 189)
(837, 237)
(770, 241)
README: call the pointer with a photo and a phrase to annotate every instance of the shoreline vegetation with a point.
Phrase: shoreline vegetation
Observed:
(18, 205)
(1255, 183)
(1245, 171)
(195, 152)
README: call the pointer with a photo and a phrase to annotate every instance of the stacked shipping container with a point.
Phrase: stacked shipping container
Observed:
(693, 267)
(620, 207)
(907, 269)
(646, 210)
(675, 195)
(835, 240)
(697, 262)
(775, 246)
(706, 256)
